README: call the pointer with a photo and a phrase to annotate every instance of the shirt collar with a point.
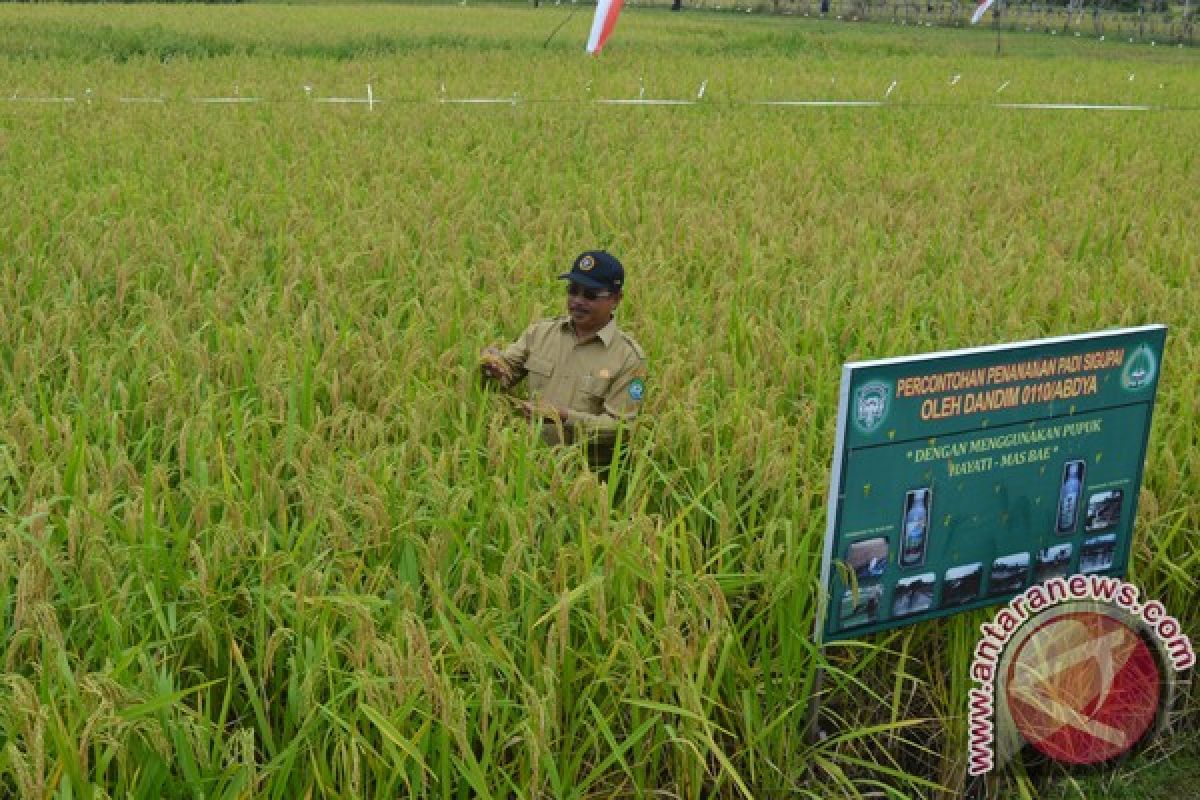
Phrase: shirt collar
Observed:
(605, 334)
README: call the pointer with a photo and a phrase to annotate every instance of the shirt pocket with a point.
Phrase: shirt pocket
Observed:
(540, 371)
(592, 391)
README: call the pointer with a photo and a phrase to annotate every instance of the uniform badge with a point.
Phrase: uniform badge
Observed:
(637, 389)
(586, 263)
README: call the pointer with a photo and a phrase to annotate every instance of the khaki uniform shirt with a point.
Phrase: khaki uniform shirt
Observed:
(599, 380)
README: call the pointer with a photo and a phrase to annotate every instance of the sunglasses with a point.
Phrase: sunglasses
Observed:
(575, 290)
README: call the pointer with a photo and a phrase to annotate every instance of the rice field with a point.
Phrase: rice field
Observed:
(264, 534)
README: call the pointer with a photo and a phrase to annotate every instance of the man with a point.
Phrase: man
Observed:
(586, 376)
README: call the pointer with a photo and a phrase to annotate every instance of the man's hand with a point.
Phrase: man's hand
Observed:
(493, 365)
(546, 413)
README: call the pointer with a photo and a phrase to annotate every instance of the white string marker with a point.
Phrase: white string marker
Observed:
(350, 101)
(226, 100)
(642, 91)
(888, 93)
(483, 101)
(236, 97)
(821, 103)
(1073, 107)
(954, 80)
(16, 99)
(703, 86)
(370, 98)
(1003, 86)
(515, 100)
(643, 102)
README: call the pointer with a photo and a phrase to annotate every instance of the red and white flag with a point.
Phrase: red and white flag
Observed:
(603, 23)
(980, 10)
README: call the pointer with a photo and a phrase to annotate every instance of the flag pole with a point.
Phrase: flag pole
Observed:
(560, 27)
(996, 23)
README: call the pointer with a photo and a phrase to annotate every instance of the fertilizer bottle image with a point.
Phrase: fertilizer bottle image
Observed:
(916, 526)
(1068, 496)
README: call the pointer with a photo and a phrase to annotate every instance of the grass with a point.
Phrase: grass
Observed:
(265, 535)
(1167, 769)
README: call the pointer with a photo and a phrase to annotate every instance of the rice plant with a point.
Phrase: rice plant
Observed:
(266, 535)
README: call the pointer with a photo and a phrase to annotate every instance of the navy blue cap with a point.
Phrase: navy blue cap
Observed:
(597, 269)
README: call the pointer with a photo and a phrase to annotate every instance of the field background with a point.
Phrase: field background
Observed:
(264, 535)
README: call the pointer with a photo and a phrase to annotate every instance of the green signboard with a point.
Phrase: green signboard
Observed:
(961, 478)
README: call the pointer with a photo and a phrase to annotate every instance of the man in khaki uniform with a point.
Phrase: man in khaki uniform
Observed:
(586, 376)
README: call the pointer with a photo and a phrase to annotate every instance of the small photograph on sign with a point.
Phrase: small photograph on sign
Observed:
(868, 557)
(1097, 553)
(913, 595)
(917, 508)
(1009, 574)
(962, 584)
(1069, 494)
(861, 607)
(1104, 510)
(1052, 562)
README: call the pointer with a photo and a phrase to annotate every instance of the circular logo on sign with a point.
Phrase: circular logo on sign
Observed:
(1083, 687)
(1139, 369)
(871, 405)
(586, 263)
